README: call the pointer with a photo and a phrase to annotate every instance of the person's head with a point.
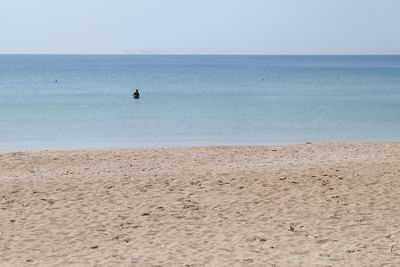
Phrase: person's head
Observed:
(137, 90)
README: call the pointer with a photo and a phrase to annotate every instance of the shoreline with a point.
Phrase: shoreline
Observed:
(306, 204)
(169, 146)
(150, 147)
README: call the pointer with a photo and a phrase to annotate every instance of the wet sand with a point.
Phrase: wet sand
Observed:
(300, 205)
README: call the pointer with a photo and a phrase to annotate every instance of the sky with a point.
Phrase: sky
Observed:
(200, 27)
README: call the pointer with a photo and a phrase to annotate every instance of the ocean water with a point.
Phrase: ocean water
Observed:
(195, 100)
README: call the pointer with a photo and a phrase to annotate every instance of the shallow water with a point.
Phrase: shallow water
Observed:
(195, 100)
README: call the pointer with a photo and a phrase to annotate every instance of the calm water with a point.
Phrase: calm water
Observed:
(195, 100)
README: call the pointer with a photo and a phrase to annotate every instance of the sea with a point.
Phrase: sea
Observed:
(68, 102)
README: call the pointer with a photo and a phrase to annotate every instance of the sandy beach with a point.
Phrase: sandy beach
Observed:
(332, 204)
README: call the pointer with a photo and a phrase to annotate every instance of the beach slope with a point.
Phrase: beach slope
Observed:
(314, 205)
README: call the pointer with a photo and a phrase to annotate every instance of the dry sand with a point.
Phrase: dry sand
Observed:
(205, 206)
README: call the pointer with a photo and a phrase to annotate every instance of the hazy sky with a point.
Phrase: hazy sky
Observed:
(200, 26)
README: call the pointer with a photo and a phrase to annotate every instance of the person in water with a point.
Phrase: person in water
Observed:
(136, 94)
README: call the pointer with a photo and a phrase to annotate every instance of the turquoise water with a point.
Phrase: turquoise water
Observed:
(195, 100)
